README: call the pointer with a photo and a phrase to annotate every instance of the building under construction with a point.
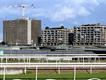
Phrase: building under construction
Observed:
(21, 31)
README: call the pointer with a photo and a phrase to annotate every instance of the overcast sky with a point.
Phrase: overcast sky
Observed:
(56, 12)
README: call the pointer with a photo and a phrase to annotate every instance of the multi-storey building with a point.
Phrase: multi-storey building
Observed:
(55, 36)
(21, 31)
(90, 34)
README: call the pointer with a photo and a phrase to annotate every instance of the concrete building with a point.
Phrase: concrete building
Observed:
(55, 36)
(90, 34)
(21, 31)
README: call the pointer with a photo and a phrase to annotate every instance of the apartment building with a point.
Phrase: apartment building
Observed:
(55, 36)
(90, 34)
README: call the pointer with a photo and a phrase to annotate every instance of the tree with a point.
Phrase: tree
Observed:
(47, 27)
(3, 43)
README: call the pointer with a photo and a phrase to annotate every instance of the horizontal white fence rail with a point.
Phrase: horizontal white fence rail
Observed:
(52, 55)
(33, 65)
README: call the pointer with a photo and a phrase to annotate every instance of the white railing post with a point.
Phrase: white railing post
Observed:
(36, 73)
(91, 70)
(74, 72)
(4, 75)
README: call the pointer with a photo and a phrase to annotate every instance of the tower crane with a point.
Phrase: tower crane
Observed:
(23, 8)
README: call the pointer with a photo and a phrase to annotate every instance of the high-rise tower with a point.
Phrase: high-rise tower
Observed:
(21, 31)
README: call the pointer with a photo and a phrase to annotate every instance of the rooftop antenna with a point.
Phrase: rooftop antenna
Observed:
(23, 8)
